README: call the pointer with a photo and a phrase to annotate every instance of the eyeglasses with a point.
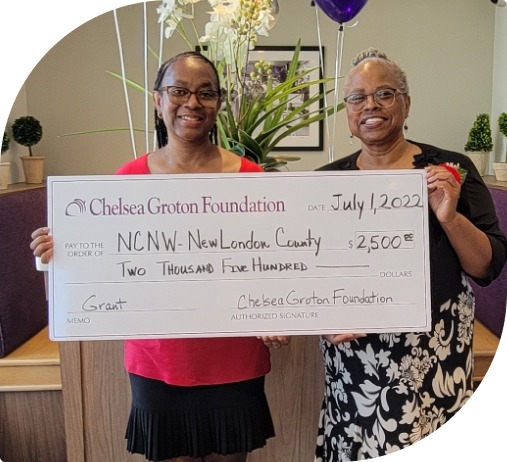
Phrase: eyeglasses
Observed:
(180, 95)
(384, 97)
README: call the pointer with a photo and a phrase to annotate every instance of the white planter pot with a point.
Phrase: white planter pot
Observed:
(5, 174)
(33, 168)
(500, 169)
(480, 160)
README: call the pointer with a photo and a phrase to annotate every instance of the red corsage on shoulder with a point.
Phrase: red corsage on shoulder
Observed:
(459, 173)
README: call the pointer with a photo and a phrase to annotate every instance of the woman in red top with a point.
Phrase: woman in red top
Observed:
(192, 399)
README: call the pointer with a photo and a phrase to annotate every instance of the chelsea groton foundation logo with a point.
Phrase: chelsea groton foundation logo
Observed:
(75, 208)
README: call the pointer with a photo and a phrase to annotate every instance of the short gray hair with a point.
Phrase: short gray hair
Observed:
(372, 54)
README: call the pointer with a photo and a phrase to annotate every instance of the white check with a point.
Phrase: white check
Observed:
(160, 256)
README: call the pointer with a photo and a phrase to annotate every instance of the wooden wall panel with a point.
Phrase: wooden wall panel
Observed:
(70, 363)
(295, 389)
(106, 397)
(32, 427)
(97, 401)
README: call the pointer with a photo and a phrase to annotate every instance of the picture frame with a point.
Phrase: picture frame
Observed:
(310, 138)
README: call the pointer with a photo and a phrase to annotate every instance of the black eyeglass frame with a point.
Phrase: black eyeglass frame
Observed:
(218, 96)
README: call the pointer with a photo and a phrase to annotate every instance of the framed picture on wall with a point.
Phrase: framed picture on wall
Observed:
(309, 138)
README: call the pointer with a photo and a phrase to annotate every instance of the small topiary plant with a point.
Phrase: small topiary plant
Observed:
(502, 123)
(27, 131)
(479, 137)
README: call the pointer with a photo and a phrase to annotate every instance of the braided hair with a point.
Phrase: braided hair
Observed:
(377, 55)
(160, 128)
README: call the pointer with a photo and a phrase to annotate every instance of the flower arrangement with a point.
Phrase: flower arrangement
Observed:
(262, 104)
(458, 172)
(258, 111)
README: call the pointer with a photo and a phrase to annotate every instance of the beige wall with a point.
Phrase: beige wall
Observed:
(15, 150)
(499, 104)
(446, 49)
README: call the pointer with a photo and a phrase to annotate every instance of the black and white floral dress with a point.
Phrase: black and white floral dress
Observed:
(386, 392)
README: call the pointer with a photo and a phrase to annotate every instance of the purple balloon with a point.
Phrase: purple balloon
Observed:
(341, 10)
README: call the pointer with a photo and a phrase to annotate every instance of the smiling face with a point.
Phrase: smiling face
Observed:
(376, 126)
(188, 120)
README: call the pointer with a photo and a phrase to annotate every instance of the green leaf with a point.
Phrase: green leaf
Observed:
(102, 130)
(129, 82)
(260, 122)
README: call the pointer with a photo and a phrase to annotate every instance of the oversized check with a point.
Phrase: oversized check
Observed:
(159, 256)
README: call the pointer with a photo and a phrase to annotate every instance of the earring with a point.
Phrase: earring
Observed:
(405, 130)
(351, 139)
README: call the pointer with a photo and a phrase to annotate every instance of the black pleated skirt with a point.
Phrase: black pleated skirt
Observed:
(168, 421)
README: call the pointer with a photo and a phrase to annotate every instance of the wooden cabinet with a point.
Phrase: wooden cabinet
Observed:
(97, 401)
(31, 404)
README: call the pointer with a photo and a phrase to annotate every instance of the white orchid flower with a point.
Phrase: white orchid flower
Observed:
(165, 10)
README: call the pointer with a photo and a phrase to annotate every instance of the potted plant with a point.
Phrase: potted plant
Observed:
(480, 142)
(500, 168)
(4, 166)
(256, 113)
(27, 131)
